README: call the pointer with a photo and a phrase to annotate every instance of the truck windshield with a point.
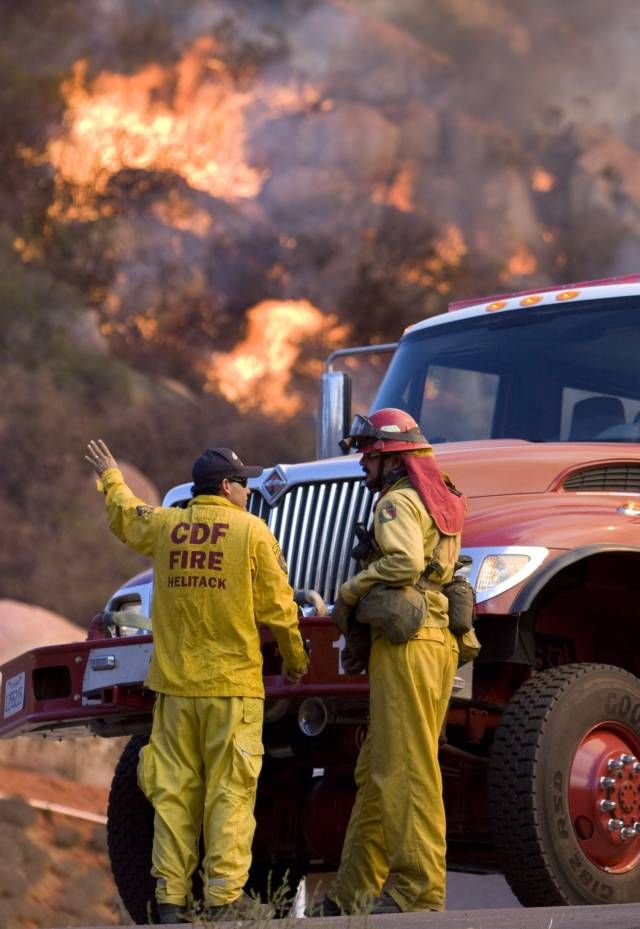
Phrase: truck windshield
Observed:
(549, 374)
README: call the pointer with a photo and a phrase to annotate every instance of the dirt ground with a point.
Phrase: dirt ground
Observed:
(54, 869)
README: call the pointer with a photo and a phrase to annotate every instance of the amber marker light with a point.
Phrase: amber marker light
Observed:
(530, 301)
(498, 305)
(568, 295)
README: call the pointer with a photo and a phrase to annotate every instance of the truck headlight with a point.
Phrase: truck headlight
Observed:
(312, 716)
(494, 570)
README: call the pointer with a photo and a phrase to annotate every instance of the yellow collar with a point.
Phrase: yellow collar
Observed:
(212, 500)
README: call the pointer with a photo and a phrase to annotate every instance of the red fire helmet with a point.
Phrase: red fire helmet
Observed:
(387, 430)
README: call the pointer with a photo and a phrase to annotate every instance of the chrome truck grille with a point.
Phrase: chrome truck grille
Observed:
(314, 524)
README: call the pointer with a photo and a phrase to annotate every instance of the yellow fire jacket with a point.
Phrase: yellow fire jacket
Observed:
(407, 539)
(218, 573)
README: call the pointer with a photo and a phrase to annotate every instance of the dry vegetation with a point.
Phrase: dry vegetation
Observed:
(54, 870)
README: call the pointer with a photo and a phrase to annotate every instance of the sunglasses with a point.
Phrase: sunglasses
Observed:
(238, 480)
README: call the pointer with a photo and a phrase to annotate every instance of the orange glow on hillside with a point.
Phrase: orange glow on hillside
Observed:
(257, 373)
(449, 250)
(521, 263)
(542, 181)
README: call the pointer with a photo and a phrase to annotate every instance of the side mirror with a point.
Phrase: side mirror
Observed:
(334, 412)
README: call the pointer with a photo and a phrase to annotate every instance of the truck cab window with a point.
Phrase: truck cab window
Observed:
(589, 417)
(553, 374)
(458, 404)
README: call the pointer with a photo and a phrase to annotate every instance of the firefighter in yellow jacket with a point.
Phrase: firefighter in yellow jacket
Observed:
(218, 573)
(396, 833)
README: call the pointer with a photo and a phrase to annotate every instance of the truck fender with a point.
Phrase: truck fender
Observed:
(531, 589)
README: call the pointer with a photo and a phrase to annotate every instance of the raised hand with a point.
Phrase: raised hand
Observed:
(99, 457)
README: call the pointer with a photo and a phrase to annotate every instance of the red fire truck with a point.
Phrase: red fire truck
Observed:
(533, 404)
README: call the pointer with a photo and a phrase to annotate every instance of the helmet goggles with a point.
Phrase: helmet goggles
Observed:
(365, 435)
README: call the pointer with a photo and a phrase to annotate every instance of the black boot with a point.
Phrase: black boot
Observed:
(326, 907)
(385, 904)
(172, 913)
(243, 907)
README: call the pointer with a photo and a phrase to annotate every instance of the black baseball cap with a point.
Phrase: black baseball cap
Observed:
(214, 465)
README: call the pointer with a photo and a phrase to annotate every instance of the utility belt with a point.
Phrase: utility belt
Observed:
(407, 609)
(398, 612)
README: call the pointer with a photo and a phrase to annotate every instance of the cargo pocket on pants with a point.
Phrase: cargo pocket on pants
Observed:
(247, 762)
(247, 747)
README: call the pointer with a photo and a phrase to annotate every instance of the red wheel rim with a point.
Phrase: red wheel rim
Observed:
(606, 771)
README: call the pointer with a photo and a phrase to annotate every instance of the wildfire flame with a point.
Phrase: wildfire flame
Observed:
(400, 193)
(542, 181)
(521, 263)
(176, 211)
(188, 119)
(257, 372)
(449, 250)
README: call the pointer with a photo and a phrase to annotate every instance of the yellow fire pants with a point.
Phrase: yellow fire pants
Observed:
(397, 829)
(200, 771)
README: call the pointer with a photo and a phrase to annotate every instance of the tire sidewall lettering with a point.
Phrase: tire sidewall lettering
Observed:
(623, 708)
(561, 823)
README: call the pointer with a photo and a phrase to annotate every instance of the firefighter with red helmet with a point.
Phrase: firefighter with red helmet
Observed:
(396, 833)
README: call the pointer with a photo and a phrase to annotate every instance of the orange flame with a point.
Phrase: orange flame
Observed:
(189, 119)
(257, 372)
(451, 248)
(400, 192)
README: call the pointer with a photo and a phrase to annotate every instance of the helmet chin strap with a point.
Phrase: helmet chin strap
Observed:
(394, 475)
(382, 477)
(380, 474)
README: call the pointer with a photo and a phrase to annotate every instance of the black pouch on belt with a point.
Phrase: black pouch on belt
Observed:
(355, 654)
(462, 604)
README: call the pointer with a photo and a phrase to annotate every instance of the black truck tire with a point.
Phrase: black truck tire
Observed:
(565, 730)
(130, 837)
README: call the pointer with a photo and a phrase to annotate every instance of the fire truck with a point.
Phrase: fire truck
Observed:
(532, 402)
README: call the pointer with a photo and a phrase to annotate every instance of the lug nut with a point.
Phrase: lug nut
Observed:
(628, 759)
(636, 768)
(607, 806)
(607, 783)
(628, 832)
(615, 825)
(615, 764)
